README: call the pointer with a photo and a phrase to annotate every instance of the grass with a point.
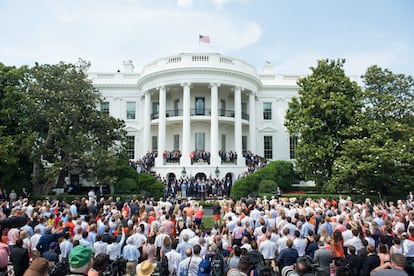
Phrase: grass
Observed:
(207, 222)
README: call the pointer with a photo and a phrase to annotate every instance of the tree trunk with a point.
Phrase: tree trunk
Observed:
(36, 186)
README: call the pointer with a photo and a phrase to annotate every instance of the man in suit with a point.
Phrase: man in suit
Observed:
(354, 260)
(323, 257)
(287, 256)
(371, 261)
(20, 258)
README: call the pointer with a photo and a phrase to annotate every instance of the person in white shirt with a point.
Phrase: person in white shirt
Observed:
(299, 244)
(65, 247)
(138, 238)
(34, 240)
(99, 245)
(268, 248)
(114, 249)
(174, 258)
(354, 241)
(195, 261)
(184, 265)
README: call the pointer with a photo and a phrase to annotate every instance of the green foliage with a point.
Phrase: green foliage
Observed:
(13, 138)
(320, 116)
(127, 180)
(379, 155)
(60, 110)
(276, 173)
(126, 185)
(267, 186)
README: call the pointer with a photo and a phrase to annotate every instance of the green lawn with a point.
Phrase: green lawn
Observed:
(207, 222)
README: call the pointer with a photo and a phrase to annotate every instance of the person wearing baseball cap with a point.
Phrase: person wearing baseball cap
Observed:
(39, 267)
(80, 260)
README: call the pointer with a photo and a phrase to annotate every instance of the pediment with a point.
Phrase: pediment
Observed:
(268, 129)
(131, 129)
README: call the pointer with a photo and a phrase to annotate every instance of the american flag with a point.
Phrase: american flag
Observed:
(204, 38)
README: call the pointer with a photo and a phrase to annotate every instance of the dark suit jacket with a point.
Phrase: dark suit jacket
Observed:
(287, 256)
(20, 258)
(371, 262)
(356, 263)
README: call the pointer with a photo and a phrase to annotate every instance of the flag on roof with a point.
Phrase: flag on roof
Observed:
(204, 38)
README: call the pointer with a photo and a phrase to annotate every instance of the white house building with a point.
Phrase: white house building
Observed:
(201, 102)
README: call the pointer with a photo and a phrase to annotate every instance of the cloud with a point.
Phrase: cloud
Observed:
(184, 3)
(113, 33)
(219, 4)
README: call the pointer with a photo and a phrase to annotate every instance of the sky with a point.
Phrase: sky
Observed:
(290, 34)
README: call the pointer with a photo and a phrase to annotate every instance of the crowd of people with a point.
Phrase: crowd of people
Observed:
(251, 236)
(200, 156)
(228, 156)
(145, 164)
(197, 188)
(172, 156)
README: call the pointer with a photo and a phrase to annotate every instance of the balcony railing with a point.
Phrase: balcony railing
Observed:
(198, 112)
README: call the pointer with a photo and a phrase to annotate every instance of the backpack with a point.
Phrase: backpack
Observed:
(257, 260)
(217, 264)
(204, 267)
(60, 268)
(164, 266)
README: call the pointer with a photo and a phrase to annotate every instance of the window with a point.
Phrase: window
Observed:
(268, 147)
(176, 112)
(244, 107)
(105, 107)
(200, 141)
(244, 143)
(131, 108)
(155, 106)
(130, 147)
(176, 142)
(199, 108)
(267, 111)
(223, 142)
(154, 143)
(222, 108)
(293, 143)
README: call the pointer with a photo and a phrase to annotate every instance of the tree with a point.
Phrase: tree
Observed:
(13, 158)
(319, 116)
(70, 134)
(379, 154)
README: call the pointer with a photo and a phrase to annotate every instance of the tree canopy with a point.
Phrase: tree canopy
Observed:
(379, 154)
(319, 116)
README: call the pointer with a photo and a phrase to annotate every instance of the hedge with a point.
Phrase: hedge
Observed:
(279, 172)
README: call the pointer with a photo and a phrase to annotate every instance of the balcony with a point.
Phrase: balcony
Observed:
(199, 112)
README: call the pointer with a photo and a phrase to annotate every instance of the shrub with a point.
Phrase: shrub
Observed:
(267, 186)
(126, 185)
(281, 174)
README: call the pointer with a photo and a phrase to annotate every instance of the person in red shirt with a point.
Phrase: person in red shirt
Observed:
(198, 217)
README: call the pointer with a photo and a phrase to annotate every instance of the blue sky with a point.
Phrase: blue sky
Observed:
(290, 34)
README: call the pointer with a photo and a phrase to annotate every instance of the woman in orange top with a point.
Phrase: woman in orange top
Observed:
(337, 245)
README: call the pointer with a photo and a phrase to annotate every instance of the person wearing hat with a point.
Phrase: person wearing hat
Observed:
(80, 260)
(39, 267)
(146, 268)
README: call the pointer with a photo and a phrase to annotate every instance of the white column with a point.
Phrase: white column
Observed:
(252, 122)
(147, 123)
(185, 158)
(238, 125)
(214, 131)
(161, 126)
